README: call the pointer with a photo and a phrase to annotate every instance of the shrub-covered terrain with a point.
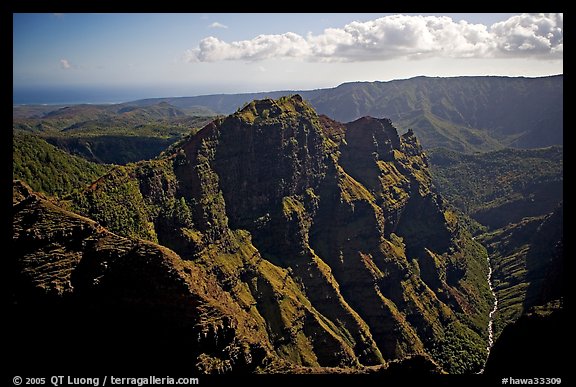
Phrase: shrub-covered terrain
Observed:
(48, 169)
(114, 134)
(297, 242)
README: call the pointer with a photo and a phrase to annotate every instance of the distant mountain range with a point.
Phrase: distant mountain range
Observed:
(465, 114)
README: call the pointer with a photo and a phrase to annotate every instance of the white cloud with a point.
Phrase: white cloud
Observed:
(217, 25)
(536, 34)
(65, 64)
(526, 35)
(262, 47)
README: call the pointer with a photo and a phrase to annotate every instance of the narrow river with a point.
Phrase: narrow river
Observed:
(491, 315)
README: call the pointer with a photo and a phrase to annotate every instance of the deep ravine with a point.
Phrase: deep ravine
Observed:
(491, 316)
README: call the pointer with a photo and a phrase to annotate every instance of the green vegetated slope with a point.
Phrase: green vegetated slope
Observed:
(74, 286)
(465, 114)
(329, 237)
(462, 113)
(527, 264)
(502, 187)
(115, 134)
(516, 196)
(50, 170)
(112, 149)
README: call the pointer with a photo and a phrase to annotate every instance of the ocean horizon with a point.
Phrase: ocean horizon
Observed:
(88, 95)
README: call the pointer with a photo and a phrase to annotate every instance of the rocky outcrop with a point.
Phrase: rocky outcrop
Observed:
(324, 242)
(75, 285)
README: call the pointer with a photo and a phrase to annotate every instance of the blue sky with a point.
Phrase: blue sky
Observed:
(191, 54)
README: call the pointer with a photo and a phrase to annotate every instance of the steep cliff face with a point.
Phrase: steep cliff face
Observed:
(328, 238)
(527, 259)
(76, 286)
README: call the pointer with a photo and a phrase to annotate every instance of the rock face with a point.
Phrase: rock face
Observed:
(527, 258)
(300, 242)
(93, 289)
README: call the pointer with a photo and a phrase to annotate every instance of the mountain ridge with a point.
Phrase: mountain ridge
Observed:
(228, 108)
(337, 261)
(468, 113)
(329, 237)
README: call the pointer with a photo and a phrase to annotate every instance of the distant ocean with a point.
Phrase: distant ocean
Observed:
(72, 96)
